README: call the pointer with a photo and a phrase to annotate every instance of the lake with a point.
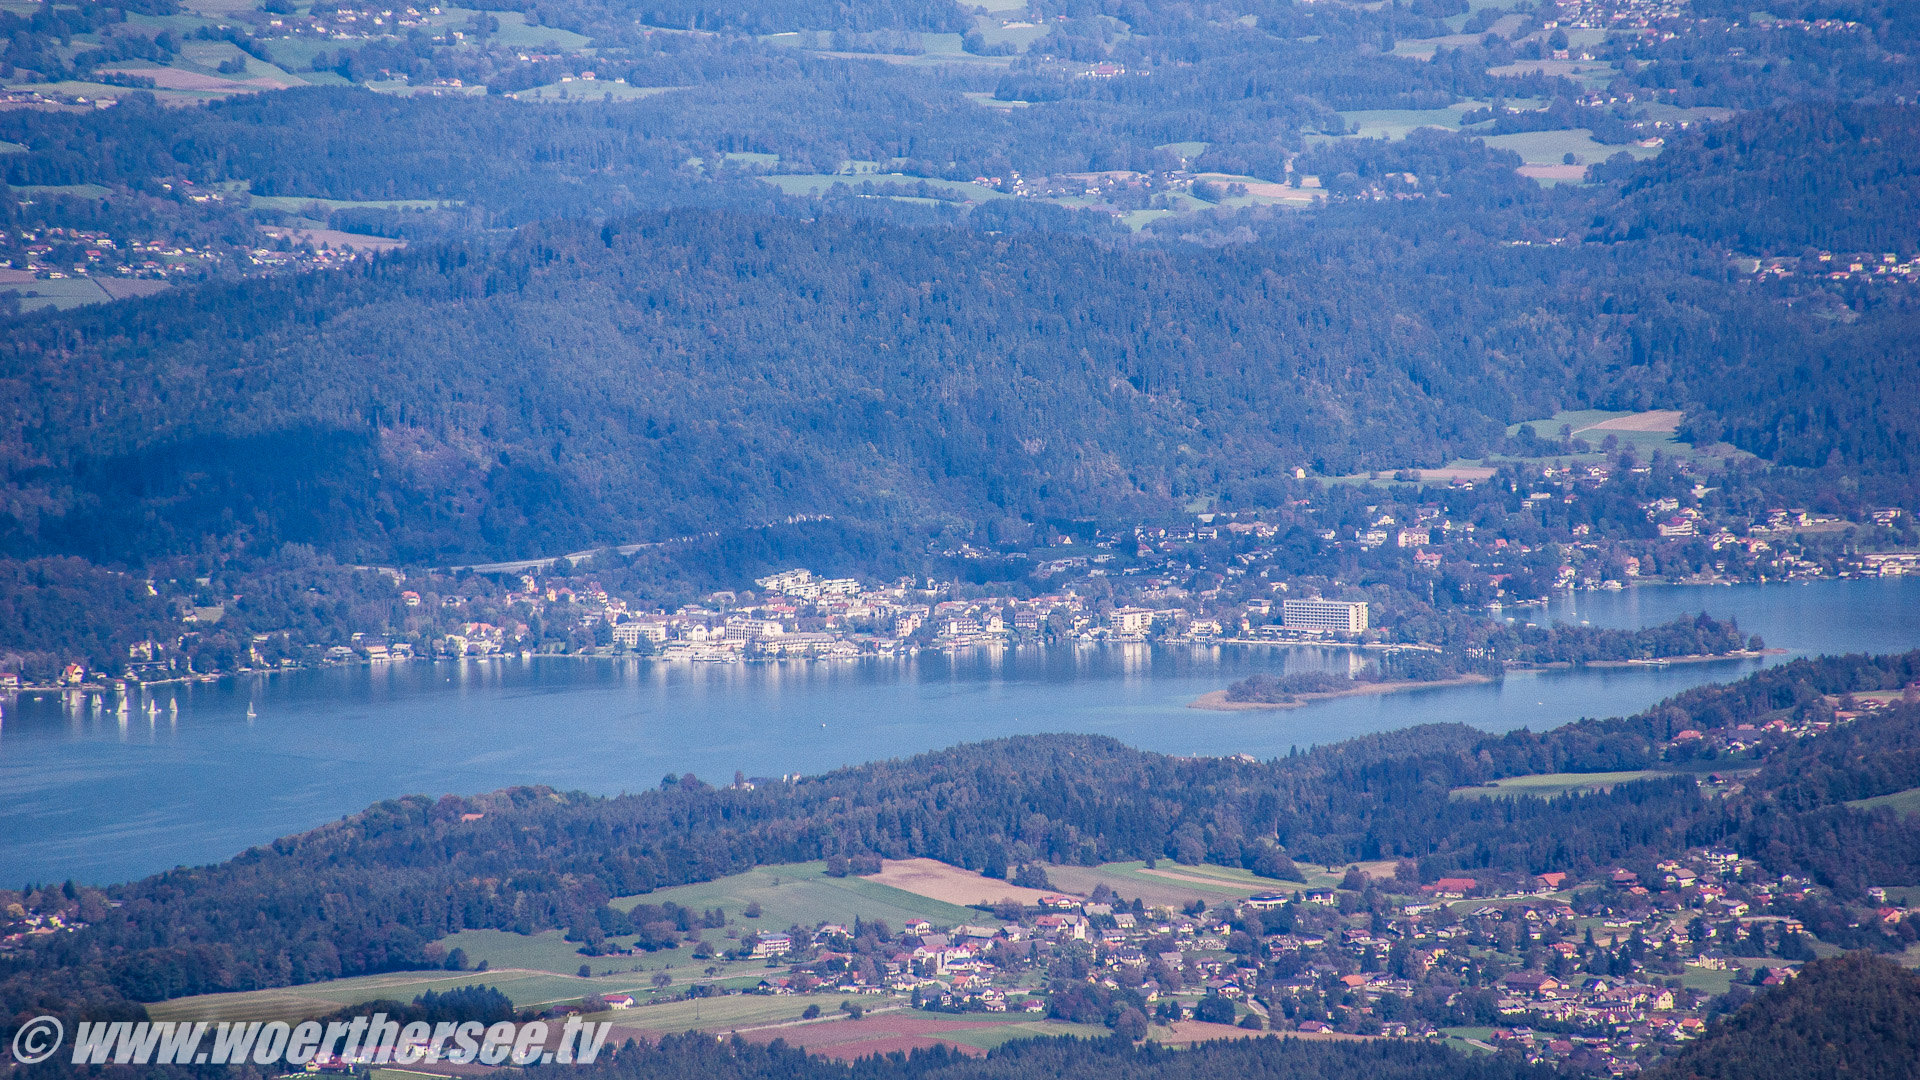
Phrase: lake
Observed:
(97, 797)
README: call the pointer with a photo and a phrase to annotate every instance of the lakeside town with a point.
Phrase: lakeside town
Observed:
(1390, 564)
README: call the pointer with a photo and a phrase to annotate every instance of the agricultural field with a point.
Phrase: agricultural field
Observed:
(550, 953)
(1900, 802)
(58, 293)
(1711, 980)
(950, 884)
(332, 238)
(546, 951)
(802, 894)
(906, 1030)
(936, 49)
(585, 90)
(1395, 124)
(297, 203)
(1469, 1040)
(737, 1012)
(1590, 74)
(820, 183)
(1551, 147)
(516, 32)
(1015, 32)
(1645, 432)
(526, 988)
(1548, 785)
(401, 1074)
(1173, 887)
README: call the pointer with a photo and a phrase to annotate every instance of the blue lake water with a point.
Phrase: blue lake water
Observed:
(97, 797)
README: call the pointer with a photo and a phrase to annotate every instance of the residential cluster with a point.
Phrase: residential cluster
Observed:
(1603, 970)
(54, 252)
(1618, 14)
(347, 22)
(1873, 267)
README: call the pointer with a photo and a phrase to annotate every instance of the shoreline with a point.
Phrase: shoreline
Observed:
(1663, 661)
(1216, 700)
(1206, 701)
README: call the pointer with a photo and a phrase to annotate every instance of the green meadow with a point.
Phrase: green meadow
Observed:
(1548, 785)
(297, 203)
(1552, 147)
(801, 894)
(820, 183)
(1900, 802)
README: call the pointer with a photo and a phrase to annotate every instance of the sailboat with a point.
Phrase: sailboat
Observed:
(250, 713)
(173, 705)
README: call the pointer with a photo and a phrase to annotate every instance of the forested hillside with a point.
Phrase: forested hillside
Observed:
(1784, 180)
(668, 374)
(1026, 290)
(1853, 1015)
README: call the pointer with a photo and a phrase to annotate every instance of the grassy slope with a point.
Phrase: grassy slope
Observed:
(1547, 785)
(802, 894)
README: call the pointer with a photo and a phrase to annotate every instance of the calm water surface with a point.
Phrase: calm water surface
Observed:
(96, 797)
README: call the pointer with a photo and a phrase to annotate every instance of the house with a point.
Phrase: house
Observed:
(1067, 926)
(1265, 901)
(1549, 881)
(1530, 982)
(618, 1001)
(772, 945)
(1452, 886)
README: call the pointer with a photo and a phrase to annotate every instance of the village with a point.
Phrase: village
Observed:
(1604, 972)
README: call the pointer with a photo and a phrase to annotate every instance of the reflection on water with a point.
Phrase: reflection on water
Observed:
(100, 795)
